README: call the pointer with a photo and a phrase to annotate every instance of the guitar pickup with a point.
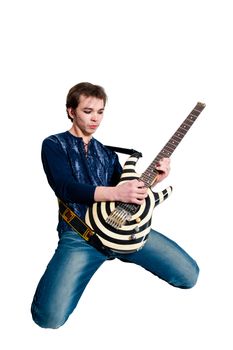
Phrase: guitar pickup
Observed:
(118, 217)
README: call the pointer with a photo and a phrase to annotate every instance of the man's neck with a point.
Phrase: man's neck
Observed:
(77, 132)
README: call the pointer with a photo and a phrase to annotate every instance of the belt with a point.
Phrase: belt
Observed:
(81, 228)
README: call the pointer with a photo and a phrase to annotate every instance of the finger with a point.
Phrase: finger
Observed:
(140, 184)
(141, 189)
(160, 170)
(141, 195)
(163, 167)
(139, 201)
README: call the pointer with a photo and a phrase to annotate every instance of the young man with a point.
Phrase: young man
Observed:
(81, 171)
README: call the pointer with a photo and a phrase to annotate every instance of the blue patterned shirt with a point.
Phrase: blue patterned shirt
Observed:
(73, 174)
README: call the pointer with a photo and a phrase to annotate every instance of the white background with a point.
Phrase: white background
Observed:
(156, 60)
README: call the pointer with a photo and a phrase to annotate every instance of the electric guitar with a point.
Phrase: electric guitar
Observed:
(124, 227)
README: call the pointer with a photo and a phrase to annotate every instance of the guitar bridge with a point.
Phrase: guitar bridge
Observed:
(118, 217)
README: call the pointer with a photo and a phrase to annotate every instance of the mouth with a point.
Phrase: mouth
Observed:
(93, 127)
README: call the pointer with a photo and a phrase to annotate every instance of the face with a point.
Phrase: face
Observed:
(87, 116)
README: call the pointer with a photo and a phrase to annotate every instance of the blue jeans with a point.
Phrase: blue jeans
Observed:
(75, 262)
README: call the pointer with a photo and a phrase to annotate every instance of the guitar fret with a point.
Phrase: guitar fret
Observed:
(179, 136)
(178, 139)
(147, 176)
(151, 172)
(195, 110)
(182, 131)
(189, 122)
(147, 181)
(169, 148)
(171, 145)
(185, 126)
(192, 114)
(166, 152)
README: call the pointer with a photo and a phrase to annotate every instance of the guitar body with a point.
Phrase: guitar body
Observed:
(133, 233)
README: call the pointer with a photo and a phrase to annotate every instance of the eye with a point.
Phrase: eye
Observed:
(87, 111)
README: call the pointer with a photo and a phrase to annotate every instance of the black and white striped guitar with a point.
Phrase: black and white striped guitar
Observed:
(124, 227)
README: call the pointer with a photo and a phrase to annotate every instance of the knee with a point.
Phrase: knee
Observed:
(189, 277)
(46, 319)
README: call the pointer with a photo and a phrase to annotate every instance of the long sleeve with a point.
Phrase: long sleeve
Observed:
(60, 176)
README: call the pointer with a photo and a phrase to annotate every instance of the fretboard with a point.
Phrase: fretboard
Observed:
(148, 177)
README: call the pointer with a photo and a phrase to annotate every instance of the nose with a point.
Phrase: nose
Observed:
(94, 116)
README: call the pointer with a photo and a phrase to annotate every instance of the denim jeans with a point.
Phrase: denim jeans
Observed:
(75, 261)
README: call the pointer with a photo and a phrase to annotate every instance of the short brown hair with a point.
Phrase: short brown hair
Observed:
(85, 89)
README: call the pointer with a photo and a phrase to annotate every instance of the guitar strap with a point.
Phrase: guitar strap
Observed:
(81, 228)
(124, 150)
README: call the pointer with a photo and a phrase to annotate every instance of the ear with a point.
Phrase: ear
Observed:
(71, 112)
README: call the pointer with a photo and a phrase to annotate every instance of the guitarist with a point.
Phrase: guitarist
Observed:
(81, 170)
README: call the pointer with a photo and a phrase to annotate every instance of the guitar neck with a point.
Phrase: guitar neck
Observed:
(148, 177)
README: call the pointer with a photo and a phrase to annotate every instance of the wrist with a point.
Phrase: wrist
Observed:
(105, 194)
